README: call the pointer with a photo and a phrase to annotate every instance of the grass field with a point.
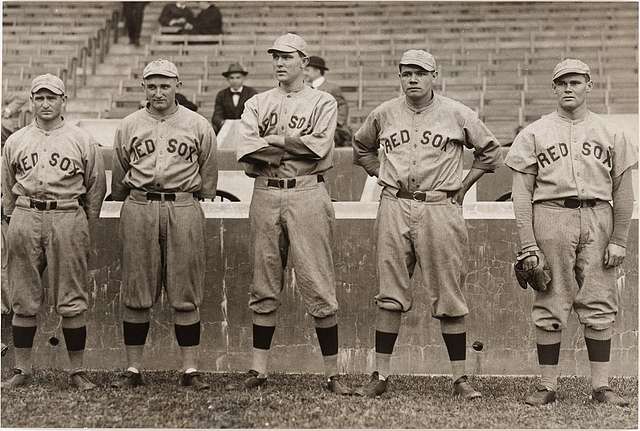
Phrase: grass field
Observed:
(298, 401)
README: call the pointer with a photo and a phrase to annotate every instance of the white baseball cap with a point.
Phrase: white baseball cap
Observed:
(570, 65)
(419, 57)
(160, 67)
(48, 81)
(289, 42)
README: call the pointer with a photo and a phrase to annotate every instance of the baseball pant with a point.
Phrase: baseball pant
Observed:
(57, 239)
(4, 286)
(163, 244)
(432, 234)
(298, 221)
(573, 242)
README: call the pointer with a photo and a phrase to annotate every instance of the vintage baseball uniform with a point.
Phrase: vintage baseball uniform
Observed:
(291, 211)
(52, 181)
(162, 166)
(575, 160)
(422, 153)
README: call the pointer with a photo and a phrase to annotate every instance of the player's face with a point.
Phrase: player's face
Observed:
(47, 106)
(416, 82)
(288, 66)
(571, 90)
(311, 74)
(161, 92)
(235, 80)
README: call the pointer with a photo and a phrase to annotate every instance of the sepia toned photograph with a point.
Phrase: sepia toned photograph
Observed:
(319, 214)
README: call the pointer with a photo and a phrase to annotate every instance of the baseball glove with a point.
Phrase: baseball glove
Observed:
(538, 277)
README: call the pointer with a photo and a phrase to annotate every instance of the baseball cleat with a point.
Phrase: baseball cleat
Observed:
(463, 388)
(374, 388)
(193, 380)
(128, 379)
(541, 396)
(80, 381)
(20, 378)
(254, 380)
(605, 394)
(333, 385)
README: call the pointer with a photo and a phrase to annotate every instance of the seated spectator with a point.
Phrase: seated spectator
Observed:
(177, 15)
(181, 99)
(230, 101)
(209, 20)
(13, 106)
(314, 76)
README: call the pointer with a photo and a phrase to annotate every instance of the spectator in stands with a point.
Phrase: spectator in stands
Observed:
(13, 106)
(230, 101)
(209, 20)
(177, 15)
(181, 99)
(314, 74)
(133, 12)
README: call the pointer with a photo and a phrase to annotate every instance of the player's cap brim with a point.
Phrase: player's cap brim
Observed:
(52, 88)
(284, 48)
(568, 71)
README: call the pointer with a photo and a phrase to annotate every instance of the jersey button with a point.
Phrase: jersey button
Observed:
(414, 162)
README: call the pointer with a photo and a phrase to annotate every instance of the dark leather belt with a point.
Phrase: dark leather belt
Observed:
(577, 203)
(43, 205)
(151, 196)
(287, 183)
(418, 195)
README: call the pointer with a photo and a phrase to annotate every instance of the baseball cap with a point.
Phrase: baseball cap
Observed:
(289, 43)
(48, 81)
(160, 67)
(419, 57)
(570, 65)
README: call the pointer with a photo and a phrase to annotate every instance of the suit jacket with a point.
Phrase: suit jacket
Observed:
(336, 92)
(224, 109)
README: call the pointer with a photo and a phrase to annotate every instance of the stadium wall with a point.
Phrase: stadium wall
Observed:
(499, 308)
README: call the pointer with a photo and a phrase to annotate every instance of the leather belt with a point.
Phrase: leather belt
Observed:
(43, 205)
(417, 195)
(152, 196)
(287, 183)
(577, 203)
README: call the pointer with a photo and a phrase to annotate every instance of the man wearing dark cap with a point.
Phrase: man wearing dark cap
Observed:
(567, 167)
(314, 75)
(53, 184)
(230, 101)
(422, 136)
(164, 162)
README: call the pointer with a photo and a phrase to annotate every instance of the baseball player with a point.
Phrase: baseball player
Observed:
(164, 162)
(422, 136)
(567, 166)
(53, 184)
(286, 144)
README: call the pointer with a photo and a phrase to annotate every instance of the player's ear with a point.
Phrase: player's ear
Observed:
(305, 62)
(435, 75)
(179, 84)
(589, 85)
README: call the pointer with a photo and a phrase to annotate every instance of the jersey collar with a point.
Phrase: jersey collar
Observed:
(428, 107)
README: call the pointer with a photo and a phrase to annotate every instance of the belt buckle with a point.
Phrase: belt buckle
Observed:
(416, 195)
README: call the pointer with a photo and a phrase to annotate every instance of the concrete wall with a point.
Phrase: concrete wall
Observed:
(499, 307)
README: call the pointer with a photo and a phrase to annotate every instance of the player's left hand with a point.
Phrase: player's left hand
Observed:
(458, 198)
(275, 140)
(614, 255)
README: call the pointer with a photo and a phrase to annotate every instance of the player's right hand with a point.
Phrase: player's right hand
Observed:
(529, 263)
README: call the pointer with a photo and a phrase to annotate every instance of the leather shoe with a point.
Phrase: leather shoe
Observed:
(375, 387)
(20, 378)
(193, 380)
(605, 394)
(541, 396)
(463, 388)
(253, 380)
(80, 381)
(128, 379)
(334, 385)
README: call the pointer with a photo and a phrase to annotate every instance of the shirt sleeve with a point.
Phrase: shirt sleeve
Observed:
(94, 181)
(8, 181)
(522, 155)
(487, 154)
(208, 162)
(252, 148)
(119, 167)
(365, 145)
(625, 155)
